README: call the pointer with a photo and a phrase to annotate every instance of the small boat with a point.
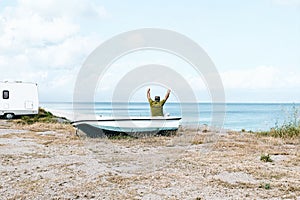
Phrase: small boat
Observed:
(134, 126)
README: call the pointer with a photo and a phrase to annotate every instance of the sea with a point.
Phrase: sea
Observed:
(234, 116)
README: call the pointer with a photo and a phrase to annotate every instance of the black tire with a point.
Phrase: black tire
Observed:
(9, 115)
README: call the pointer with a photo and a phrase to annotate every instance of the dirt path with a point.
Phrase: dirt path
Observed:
(48, 161)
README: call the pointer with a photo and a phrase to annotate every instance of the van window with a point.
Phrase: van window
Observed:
(5, 94)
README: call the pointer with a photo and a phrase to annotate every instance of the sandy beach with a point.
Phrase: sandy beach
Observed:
(49, 161)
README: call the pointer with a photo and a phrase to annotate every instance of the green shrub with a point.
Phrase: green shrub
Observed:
(266, 158)
(289, 129)
(44, 113)
(266, 186)
(42, 116)
(27, 120)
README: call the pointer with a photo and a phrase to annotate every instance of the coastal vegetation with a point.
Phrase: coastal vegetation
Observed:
(266, 158)
(43, 116)
(289, 129)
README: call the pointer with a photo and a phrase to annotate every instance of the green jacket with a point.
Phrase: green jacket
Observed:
(157, 107)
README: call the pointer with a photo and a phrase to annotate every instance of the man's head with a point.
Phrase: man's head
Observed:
(157, 98)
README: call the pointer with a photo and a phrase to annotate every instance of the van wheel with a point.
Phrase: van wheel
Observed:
(9, 115)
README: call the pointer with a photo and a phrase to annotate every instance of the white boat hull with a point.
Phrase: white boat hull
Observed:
(133, 124)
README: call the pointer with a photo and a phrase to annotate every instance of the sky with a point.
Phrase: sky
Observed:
(255, 45)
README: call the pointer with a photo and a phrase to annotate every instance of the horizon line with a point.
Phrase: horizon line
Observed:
(207, 102)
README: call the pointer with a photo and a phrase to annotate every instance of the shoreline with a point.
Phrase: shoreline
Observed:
(45, 160)
(192, 127)
(251, 117)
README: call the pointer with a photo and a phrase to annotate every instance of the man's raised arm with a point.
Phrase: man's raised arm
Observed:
(168, 94)
(148, 94)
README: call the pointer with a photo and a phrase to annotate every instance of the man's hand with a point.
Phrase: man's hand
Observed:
(148, 94)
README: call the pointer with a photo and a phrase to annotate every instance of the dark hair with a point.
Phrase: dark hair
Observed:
(157, 98)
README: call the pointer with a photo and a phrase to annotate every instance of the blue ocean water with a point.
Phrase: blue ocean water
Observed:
(248, 116)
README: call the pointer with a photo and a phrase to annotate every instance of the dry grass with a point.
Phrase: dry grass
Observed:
(61, 165)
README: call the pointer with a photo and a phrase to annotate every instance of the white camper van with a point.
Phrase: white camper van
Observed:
(18, 98)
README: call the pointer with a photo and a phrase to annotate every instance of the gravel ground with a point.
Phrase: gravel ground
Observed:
(48, 161)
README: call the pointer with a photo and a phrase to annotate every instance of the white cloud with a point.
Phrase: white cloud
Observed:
(66, 55)
(262, 77)
(37, 24)
(42, 41)
(68, 8)
(196, 82)
(256, 78)
(287, 2)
